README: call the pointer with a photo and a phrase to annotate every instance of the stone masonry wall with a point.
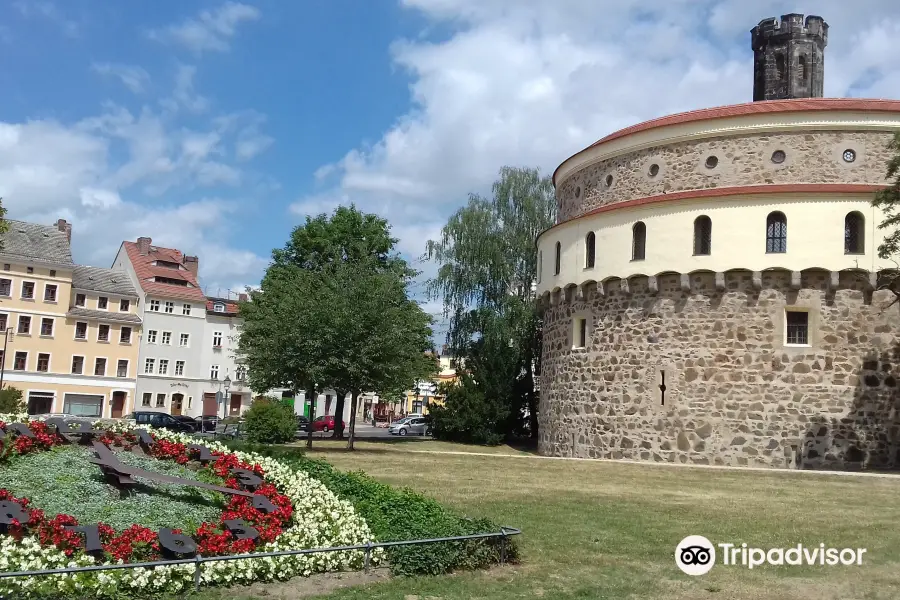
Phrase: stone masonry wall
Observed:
(735, 395)
(741, 160)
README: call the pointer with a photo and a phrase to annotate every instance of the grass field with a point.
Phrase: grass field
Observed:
(598, 530)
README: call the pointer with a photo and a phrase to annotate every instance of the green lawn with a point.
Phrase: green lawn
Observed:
(597, 530)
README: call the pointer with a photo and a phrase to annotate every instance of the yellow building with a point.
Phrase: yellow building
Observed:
(418, 400)
(71, 332)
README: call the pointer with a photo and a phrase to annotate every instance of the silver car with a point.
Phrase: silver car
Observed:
(410, 425)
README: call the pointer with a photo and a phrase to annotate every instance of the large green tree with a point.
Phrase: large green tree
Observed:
(487, 271)
(888, 200)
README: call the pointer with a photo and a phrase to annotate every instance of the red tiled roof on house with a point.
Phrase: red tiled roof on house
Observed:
(148, 262)
(230, 308)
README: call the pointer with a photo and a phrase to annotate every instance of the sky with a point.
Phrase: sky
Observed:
(216, 127)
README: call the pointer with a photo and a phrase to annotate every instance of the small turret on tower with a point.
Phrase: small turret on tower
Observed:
(789, 57)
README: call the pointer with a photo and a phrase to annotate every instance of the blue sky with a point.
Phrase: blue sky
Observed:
(215, 127)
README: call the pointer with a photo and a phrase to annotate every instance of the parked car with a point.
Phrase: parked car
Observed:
(161, 420)
(207, 423)
(325, 423)
(302, 423)
(187, 421)
(416, 425)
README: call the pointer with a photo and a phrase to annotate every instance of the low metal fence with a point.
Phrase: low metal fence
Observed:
(504, 534)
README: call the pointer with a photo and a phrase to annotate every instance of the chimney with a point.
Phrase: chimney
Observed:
(192, 264)
(66, 228)
(143, 244)
(243, 298)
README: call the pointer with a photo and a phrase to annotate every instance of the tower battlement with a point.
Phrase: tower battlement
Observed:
(790, 25)
(789, 57)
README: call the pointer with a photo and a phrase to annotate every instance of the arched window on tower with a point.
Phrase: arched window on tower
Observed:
(779, 66)
(776, 233)
(590, 249)
(558, 252)
(854, 233)
(702, 235)
(804, 73)
(638, 241)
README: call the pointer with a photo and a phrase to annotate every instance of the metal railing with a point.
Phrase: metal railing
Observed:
(503, 534)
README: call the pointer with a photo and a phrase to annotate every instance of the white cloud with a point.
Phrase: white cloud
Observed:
(136, 79)
(49, 11)
(211, 30)
(184, 95)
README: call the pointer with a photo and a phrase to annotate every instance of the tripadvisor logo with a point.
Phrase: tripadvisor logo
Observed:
(696, 555)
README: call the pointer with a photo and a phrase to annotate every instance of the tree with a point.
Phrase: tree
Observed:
(486, 277)
(270, 422)
(11, 401)
(888, 200)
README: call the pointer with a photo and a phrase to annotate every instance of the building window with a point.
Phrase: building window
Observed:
(24, 325)
(145, 400)
(179, 368)
(854, 233)
(6, 287)
(558, 259)
(797, 328)
(219, 307)
(4, 320)
(776, 233)
(29, 270)
(240, 374)
(28, 290)
(47, 327)
(103, 333)
(20, 361)
(43, 362)
(151, 336)
(638, 241)
(779, 66)
(80, 300)
(214, 372)
(100, 367)
(163, 366)
(702, 235)
(77, 365)
(52, 272)
(81, 331)
(590, 248)
(124, 305)
(50, 293)
(122, 368)
(125, 335)
(6, 266)
(166, 338)
(102, 303)
(154, 306)
(186, 310)
(185, 340)
(580, 337)
(149, 364)
(802, 68)
(160, 400)
(217, 339)
(170, 307)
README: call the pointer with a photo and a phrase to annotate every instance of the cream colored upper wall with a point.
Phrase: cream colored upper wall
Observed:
(815, 238)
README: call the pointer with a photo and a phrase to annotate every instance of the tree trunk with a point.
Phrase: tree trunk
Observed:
(353, 401)
(311, 394)
(339, 415)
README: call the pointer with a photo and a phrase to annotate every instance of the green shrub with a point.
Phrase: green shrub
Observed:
(11, 401)
(467, 415)
(270, 423)
(395, 514)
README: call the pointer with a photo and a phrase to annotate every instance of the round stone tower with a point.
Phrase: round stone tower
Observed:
(789, 57)
(712, 291)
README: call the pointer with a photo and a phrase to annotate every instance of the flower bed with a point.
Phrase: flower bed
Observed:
(305, 514)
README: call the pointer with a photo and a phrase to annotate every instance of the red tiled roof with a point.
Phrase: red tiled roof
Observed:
(785, 188)
(146, 271)
(750, 108)
(231, 308)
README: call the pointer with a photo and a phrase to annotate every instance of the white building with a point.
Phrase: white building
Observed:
(218, 354)
(174, 373)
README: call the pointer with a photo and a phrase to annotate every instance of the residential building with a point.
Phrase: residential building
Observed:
(54, 351)
(171, 375)
(218, 355)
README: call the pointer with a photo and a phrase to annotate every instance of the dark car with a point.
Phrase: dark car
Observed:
(302, 423)
(207, 423)
(187, 420)
(163, 421)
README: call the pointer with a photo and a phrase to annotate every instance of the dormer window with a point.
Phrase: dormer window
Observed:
(168, 264)
(219, 307)
(170, 281)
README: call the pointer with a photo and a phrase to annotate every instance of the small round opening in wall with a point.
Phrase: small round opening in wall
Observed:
(654, 170)
(849, 155)
(711, 162)
(578, 192)
(778, 157)
(609, 180)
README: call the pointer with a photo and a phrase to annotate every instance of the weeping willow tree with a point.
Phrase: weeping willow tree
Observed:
(486, 277)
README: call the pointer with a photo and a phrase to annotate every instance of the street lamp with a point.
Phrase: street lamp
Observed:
(227, 384)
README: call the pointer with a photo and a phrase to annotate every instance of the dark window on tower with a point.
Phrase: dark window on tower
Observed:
(803, 71)
(779, 66)
(558, 251)
(590, 248)
(854, 233)
(702, 235)
(797, 327)
(638, 241)
(776, 233)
